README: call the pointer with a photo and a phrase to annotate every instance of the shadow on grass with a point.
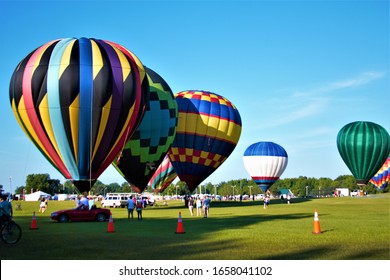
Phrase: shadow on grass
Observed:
(305, 254)
(371, 254)
(231, 203)
(149, 239)
(235, 235)
(318, 253)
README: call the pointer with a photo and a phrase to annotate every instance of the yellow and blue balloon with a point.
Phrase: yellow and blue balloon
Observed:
(208, 130)
(78, 100)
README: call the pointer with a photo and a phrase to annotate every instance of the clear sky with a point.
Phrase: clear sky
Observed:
(297, 71)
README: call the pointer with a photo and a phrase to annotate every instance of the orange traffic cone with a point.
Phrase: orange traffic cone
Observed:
(34, 222)
(317, 228)
(180, 228)
(110, 227)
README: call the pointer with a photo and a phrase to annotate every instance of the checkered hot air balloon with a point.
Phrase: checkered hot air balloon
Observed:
(78, 100)
(382, 177)
(208, 130)
(148, 146)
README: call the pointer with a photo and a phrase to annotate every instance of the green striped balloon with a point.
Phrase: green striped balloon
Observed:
(364, 147)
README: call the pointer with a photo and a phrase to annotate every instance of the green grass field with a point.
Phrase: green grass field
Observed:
(352, 229)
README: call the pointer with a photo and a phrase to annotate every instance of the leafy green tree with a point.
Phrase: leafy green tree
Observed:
(19, 190)
(345, 181)
(35, 182)
(126, 187)
(54, 186)
(69, 188)
(114, 187)
(224, 189)
(180, 188)
(98, 188)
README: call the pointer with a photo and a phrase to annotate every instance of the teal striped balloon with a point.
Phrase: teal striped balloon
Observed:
(364, 147)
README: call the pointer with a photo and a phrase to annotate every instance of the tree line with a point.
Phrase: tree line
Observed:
(300, 187)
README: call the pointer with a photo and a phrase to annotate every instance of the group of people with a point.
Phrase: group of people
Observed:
(202, 205)
(84, 203)
(135, 203)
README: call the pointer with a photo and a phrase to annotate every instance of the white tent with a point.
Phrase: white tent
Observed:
(35, 196)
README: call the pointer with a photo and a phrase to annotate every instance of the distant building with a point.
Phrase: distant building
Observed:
(283, 193)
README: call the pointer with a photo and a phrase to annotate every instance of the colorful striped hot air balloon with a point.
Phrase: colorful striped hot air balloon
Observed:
(265, 163)
(146, 149)
(164, 176)
(208, 130)
(79, 100)
(382, 177)
(364, 147)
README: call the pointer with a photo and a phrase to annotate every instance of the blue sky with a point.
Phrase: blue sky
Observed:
(297, 71)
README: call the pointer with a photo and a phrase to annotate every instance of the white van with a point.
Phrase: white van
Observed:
(116, 200)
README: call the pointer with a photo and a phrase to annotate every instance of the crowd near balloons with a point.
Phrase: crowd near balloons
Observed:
(87, 103)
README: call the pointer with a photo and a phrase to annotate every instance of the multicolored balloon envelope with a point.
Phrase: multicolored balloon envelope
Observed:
(382, 177)
(78, 100)
(164, 176)
(364, 147)
(208, 129)
(265, 163)
(148, 146)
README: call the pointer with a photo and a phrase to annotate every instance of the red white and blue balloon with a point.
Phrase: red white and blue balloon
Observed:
(265, 163)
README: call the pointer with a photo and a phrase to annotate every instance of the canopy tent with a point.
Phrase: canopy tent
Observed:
(285, 192)
(35, 196)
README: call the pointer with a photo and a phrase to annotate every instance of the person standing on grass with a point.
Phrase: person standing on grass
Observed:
(191, 205)
(130, 207)
(266, 201)
(42, 205)
(206, 206)
(139, 207)
(198, 207)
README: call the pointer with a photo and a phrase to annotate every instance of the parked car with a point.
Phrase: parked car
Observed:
(355, 193)
(116, 200)
(358, 193)
(95, 214)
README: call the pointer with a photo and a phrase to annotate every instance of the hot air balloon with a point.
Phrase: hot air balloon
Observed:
(164, 176)
(364, 147)
(382, 177)
(265, 163)
(146, 149)
(208, 129)
(78, 100)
